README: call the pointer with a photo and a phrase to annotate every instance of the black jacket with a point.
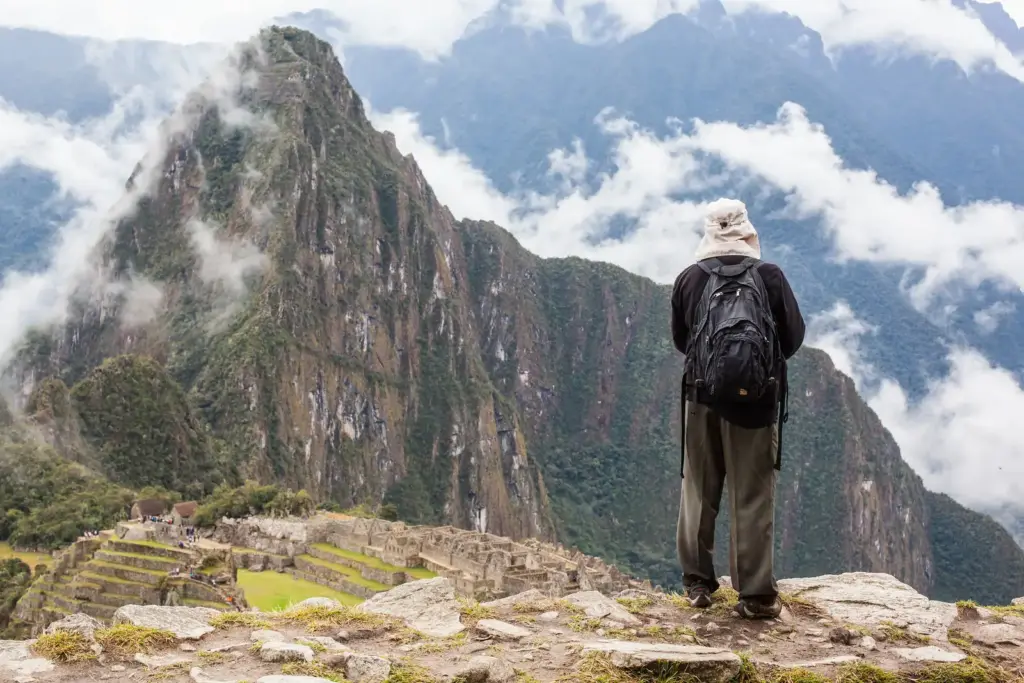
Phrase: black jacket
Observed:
(686, 295)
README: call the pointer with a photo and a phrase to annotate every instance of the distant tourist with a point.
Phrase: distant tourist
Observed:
(737, 320)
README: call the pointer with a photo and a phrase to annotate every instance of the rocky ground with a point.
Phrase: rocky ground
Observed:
(850, 627)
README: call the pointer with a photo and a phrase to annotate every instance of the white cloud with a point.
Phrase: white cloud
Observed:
(988, 319)
(958, 436)
(931, 27)
(91, 162)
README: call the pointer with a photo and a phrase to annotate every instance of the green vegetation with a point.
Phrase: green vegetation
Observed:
(124, 640)
(313, 670)
(251, 499)
(15, 577)
(374, 562)
(31, 559)
(50, 501)
(271, 591)
(140, 424)
(63, 647)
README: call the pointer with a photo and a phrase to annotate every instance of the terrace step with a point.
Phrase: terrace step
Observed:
(150, 548)
(339, 577)
(152, 562)
(132, 574)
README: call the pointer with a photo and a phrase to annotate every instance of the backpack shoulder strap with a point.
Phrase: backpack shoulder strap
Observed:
(710, 265)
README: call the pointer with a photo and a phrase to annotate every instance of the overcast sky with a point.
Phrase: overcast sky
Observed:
(955, 438)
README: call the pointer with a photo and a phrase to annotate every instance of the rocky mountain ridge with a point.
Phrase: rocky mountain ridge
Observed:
(849, 627)
(334, 328)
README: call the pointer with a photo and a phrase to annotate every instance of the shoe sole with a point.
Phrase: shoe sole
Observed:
(702, 602)
(742, 611)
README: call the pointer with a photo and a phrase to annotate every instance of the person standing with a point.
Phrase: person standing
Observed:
(737, 321)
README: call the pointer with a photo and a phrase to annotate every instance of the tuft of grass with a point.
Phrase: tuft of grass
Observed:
(472, 611)
(800, 606)
(63, 647)
(443, 644)
(319, 618)
(317, 648)
(525, 677)
(966, 604)
(125, 640)
(1008, 610)
(210, 658)
(409, 673)
(582, 624)
(797, 676)
(894, 634)
(313, 670)
(962, 639)
(246, 619)
(865, 673)
(636, 605)
(970, 670)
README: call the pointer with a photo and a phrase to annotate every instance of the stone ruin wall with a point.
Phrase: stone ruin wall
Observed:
(480, 565)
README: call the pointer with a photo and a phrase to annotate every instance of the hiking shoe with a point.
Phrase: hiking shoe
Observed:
(699, 596)
(757, 609)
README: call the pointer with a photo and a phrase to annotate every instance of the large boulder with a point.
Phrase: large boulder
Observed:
(186, 623)
(868, 599)
(427, 606)
(599, 606)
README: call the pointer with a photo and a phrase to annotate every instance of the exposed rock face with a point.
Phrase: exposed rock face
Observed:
(341, 332)
(186, 623)
(78, 623)
(705, 663)
(871, 599)
(427, 606)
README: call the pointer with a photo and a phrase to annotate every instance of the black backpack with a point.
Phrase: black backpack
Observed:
(734, 353)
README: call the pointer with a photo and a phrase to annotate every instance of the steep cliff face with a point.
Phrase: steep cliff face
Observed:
(314, 304)
(584, 349)
(337, 330)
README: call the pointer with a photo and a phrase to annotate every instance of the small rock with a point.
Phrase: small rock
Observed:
(1017, 601)
(501, 630)
(929, 654)
(229, 647)
(315, 602)
(598, 606)
(199, 676)
(278, 678)
(601, 633)
(118, 667)
(336, 660)
(265, 636)
(998, 634)
(329, 644)
(78, 623)
(285, 652)
(868, 643)
(187, 647)
(528, 657)
(361, 668)
(814, 632)
(544, 646)
(784, 628)
(842, 635)
(548, 616)
(349, 634)
(763, 636)
(160, 661)
(742, 642)
(831, 661)
(477, 647)
(484, 669)
(711, 627)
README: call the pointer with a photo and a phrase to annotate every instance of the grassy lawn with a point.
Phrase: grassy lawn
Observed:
(31, 559)
(414, 572)
(270, 591)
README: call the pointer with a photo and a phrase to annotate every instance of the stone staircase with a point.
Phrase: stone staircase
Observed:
(104, 575)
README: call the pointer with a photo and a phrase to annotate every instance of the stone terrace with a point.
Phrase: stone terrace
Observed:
(97, 575)
(480, 565)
